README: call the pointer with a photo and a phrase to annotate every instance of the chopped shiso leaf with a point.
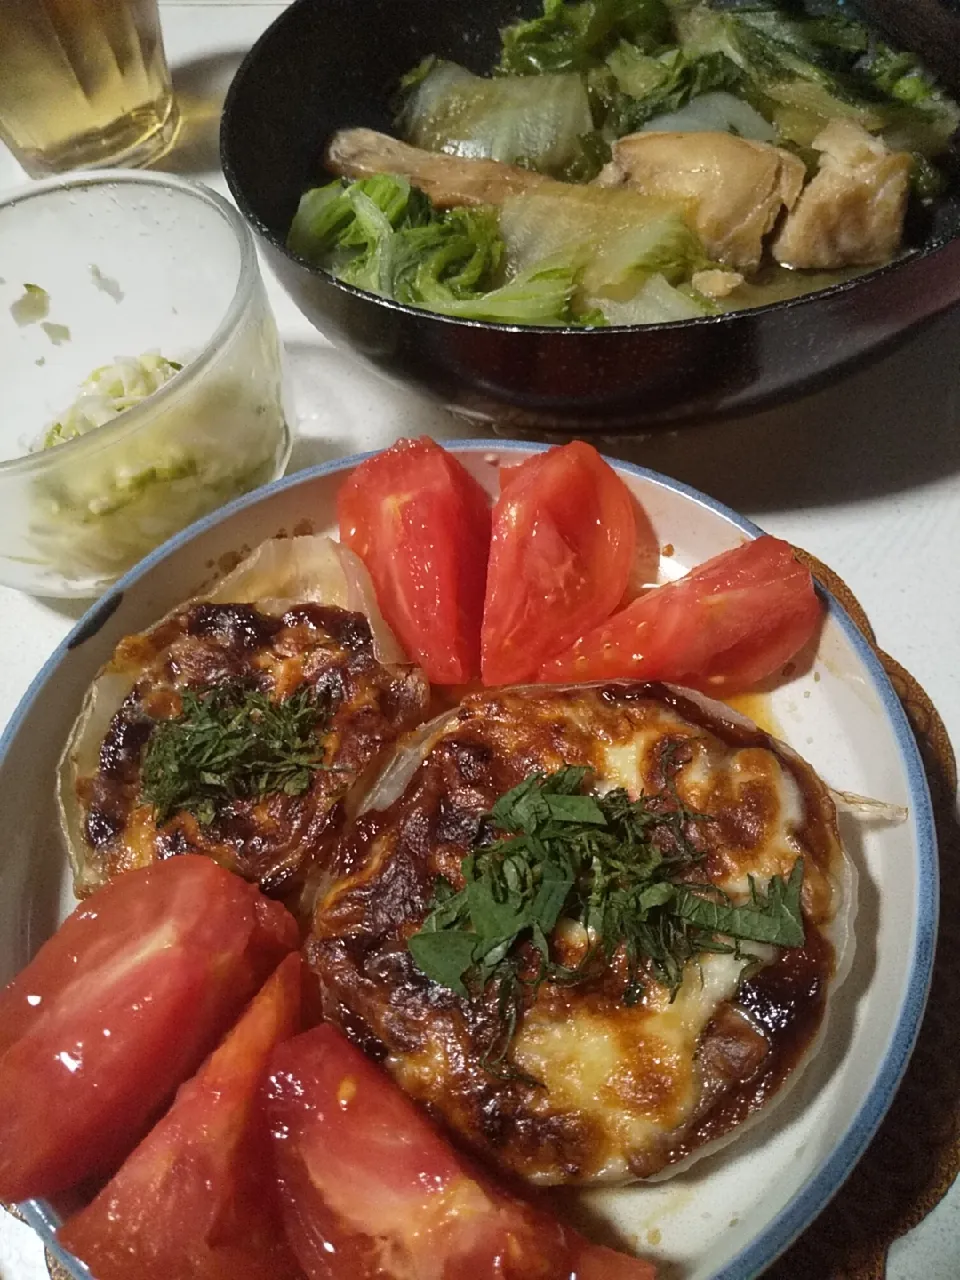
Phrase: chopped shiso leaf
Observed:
(230, 743)
(623, 870)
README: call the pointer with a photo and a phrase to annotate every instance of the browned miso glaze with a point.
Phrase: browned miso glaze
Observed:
(435, 1042)
(274, 841)
(786, 1003)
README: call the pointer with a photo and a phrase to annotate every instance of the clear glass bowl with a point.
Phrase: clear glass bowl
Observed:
(128, 264)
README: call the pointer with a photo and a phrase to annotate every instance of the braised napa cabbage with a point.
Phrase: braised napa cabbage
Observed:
(537, 123)
(801, 72)
(561, 255)
(554, 190)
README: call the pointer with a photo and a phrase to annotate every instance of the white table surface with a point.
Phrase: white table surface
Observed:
(867, 479)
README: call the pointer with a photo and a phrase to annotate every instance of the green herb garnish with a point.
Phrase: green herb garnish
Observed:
(624, 869)
(232, 742)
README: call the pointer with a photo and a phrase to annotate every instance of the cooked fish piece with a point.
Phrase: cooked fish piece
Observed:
(852, 211)
(447, 180)
(739, 188)
(599, 1090)
(325, 655)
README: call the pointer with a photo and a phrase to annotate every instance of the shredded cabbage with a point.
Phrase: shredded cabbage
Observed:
(109, 391)
(97, 512)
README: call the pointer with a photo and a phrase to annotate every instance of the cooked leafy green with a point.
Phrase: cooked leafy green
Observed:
(567, 86)
(233, 742)
(574, 37)
(631, 251)
(383, 235)
(805, 64)
(566, 256)
(634, 87)
(716, 112)
(623, 870)
(535, 123)
(657, 301)
(799, 63)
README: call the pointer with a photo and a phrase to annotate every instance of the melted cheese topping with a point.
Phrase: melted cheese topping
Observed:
(621, 1088)
(750, 782)
(631, 1070)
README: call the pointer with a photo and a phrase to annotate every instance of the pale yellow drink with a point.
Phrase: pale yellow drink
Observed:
(83, 82)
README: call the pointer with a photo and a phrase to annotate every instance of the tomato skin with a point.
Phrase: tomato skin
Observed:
(728, 624)
(197, 1197)
(421, 525)
(118, 1008)
(371, 1191)
(561, 554)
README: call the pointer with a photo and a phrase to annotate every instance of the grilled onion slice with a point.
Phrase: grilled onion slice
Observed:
(297, 612)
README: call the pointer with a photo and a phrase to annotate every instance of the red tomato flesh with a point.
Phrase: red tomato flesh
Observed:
(727, 625)
(118, 1008)
(421, 525)
(370, 1189)
(197, 1198)
(562, 550)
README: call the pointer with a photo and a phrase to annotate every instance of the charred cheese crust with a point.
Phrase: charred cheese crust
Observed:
(278, 840)
(628, 1090)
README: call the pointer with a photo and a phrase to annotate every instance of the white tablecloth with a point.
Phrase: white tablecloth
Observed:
(867, 478)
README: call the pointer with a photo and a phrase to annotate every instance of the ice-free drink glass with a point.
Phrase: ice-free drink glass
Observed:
(83, 83)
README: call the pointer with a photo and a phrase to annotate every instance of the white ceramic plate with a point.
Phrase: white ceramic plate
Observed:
(732, 1214)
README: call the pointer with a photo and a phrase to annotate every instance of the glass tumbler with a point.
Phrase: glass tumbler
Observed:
(121, 269)
(83, 83)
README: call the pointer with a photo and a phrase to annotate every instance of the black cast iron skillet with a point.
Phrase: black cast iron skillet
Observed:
(330, 64)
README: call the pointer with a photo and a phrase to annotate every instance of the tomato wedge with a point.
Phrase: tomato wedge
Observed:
(370, 1189)
(118, 1008)
(727, 625)
(561, 555)
(421, 525)
(197, 1198)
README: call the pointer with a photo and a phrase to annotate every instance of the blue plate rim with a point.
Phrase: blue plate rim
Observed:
(822, 1185)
